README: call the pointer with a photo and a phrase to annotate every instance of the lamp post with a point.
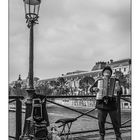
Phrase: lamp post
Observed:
(31, 16)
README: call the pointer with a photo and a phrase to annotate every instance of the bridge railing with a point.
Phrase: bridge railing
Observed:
(122, 124)
(18, 111)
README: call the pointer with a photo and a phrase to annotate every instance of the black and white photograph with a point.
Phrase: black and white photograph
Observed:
(69, 69)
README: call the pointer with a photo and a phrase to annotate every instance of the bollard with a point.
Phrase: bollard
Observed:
(18, 118)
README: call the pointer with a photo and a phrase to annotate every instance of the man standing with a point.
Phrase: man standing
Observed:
(107, 88)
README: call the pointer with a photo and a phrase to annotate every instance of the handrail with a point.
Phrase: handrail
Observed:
(126, 122)
(16, 97)
(12, 101)
(127, 100)
(12, 137)
(85, 113)
(64, 96)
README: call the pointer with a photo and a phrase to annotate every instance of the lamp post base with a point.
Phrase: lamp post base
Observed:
(27, 126)
(34, 130)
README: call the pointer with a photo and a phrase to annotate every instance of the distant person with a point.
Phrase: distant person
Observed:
(107, 88)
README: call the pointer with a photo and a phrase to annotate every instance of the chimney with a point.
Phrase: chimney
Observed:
(111, 60)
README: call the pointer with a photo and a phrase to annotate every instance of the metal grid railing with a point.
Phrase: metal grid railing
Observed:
(19, 112)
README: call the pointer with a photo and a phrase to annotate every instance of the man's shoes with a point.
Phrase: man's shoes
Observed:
(101, 138)
(118, 138)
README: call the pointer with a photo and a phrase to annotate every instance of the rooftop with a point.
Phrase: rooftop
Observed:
(122, 62)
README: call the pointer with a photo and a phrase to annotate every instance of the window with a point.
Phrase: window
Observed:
(125, 104)
(124, 69)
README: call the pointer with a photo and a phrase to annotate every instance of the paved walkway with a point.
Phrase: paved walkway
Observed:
(126, 135)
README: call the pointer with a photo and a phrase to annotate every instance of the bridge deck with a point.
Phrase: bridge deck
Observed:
(126, 135)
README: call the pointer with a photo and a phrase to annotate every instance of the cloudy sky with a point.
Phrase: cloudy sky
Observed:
(71, 35)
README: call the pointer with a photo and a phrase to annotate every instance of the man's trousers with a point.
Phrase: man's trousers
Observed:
(102, 114)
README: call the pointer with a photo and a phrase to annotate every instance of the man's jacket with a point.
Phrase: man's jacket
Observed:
(106, 92)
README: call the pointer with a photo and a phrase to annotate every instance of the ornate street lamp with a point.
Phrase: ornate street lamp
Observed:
(31, 11)
(31, 16)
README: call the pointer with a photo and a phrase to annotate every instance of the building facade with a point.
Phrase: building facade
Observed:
(73, 80)
(79, 82)
(123, 66)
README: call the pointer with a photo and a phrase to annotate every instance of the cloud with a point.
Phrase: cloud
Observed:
(71, 35)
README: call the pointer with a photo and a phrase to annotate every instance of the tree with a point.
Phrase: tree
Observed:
(86, 82)
(61, 80)
(123, 80)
